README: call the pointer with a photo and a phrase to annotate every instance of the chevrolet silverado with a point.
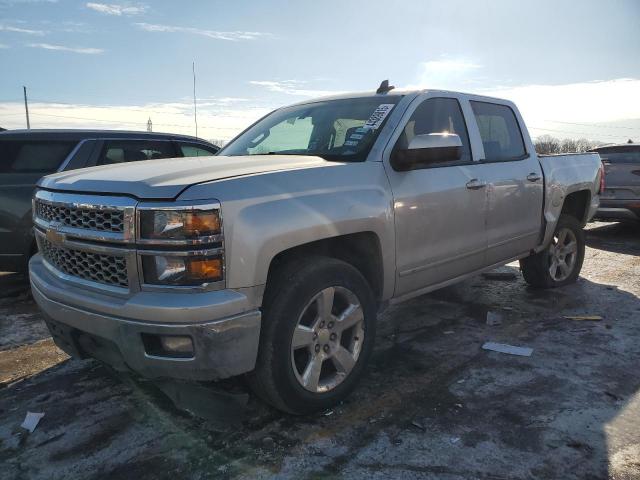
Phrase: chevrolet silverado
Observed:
(272, 259)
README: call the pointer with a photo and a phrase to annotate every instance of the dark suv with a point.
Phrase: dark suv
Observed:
(621, 197)
(28, 155)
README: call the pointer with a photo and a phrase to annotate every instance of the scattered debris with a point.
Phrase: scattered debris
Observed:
(459, 405)
(510, 349)
(583, 317)
(494, 319)
(268, 442)
(613, 396)
(448, 332)
(499, 275)
(454, 440)
(31, 421)
(328, 413)
(418, 425)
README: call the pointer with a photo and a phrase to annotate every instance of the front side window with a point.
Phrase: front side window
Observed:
(437, 115)
(499, 130)
(119, 151)
(33, 156)
(342, 130)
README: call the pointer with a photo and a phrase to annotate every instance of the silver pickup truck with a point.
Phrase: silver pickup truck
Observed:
(272, 259)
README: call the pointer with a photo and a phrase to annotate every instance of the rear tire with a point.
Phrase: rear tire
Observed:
(318, 331)
(560, 263)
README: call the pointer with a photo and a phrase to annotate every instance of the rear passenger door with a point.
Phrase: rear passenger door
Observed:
(514, 180)
(22, 164)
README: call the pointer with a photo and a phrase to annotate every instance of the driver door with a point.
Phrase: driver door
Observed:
(440, 209)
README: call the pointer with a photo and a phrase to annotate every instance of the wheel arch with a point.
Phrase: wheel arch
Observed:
(362, 250)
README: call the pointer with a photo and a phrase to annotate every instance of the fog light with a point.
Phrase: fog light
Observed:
(174, 346)
(177, 344)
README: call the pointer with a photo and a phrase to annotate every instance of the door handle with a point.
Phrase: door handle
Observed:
(475, 184)
(533, 177)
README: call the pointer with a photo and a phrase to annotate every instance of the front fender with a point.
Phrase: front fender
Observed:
(264, 215)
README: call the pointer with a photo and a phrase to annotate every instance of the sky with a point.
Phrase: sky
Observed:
(572, 67)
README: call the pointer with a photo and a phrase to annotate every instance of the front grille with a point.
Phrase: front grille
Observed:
(97, 267)
(86, 218)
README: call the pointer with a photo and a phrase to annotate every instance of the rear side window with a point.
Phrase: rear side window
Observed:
(623, 155)
(119, 151)
(499, 130)
(33, 156)
(195, 150)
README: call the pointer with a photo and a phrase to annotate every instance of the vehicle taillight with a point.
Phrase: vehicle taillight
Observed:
(602, 181)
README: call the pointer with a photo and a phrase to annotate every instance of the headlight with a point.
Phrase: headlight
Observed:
(181, 270)
(180, 224)
(180, 244)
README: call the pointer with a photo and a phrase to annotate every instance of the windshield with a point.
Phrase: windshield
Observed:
(341, 130)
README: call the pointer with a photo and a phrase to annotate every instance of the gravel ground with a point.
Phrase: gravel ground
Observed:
(433, 405)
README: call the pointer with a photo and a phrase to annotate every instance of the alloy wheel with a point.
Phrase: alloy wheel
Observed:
(327, 339)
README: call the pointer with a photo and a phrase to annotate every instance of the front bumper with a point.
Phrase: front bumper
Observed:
(622, 210)
(225, 331)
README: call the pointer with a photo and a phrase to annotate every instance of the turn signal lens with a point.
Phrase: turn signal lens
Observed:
(202, 223)
(179, 224)
(180, 270)
(205, 269)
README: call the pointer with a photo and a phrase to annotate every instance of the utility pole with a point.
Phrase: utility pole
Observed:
(26, 107)
(195, 106)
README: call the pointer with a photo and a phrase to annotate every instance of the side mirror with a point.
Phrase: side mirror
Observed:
(424, 150)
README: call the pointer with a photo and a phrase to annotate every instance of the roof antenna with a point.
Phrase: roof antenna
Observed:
(385, 87)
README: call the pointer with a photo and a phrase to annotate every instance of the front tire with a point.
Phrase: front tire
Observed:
(317, 335)
(560, 263)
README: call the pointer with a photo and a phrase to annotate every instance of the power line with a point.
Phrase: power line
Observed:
(577, 133)
(599, 125)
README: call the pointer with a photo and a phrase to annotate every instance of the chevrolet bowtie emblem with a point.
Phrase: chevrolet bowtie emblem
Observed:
(54, 235)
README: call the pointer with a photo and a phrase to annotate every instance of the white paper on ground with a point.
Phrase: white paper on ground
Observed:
(31, 421)
(504, 348)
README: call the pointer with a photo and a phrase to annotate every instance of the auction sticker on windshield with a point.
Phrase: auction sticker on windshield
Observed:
(378, 115)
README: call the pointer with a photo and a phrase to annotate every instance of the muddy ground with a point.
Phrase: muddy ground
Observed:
(433, 405)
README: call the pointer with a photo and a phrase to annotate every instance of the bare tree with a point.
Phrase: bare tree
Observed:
(546, 144)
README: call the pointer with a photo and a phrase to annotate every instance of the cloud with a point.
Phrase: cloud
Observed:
(117, 9)
(217, 35)
(445, 73)
(573, 109)
(84, 50)
(4, 45)
(291, 87)
(9, 28)
(218, 117)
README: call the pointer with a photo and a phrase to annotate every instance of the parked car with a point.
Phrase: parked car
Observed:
(273, 258)
(27, 155)
(620, 199)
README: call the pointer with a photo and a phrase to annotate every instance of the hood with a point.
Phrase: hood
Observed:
(167, 178)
